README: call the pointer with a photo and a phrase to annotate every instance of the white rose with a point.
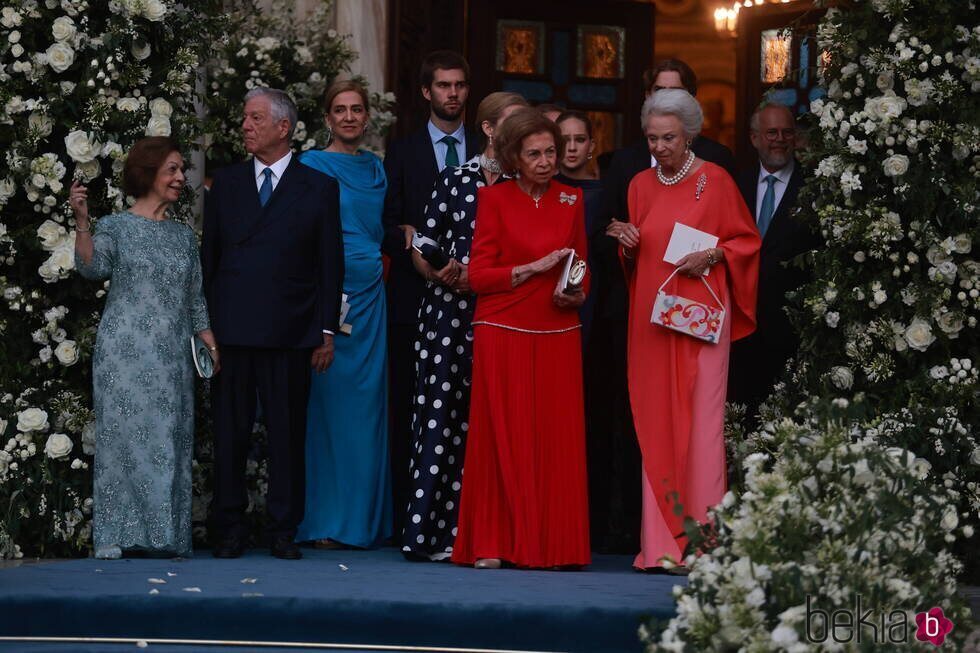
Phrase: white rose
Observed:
(832, 318)
(89, 170)
(842, 377)
(128, 104)
(32, 419)
(962, 243)
(63, 28)
(60, 57)
(10, 17)
(950, 520)
(88, 438)
(58, 445)
(17, 49)
(50, 233)
(950, 323)
(154, 10)
(38, 180)
(140, 50)
(160, 107)
(7, 189)
(158, 126)
(63, 256)
(885, 81)
(919, 334)
(81, 147)
(896, 165)
(66, 352)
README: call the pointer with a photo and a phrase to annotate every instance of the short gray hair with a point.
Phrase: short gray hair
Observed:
(281, 104)
(754, 119)
(674, 102)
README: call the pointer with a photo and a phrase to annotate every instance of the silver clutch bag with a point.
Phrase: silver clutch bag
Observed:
(573, 274)
(202, 358)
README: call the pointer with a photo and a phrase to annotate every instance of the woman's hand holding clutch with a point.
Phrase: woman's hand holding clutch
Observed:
(521, 273)
(568, 299)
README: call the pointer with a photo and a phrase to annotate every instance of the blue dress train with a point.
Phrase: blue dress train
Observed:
(348, 489)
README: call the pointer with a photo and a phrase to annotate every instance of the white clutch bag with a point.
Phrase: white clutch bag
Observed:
(688, 316)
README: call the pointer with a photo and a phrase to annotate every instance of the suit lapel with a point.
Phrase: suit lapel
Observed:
(247, 194)
(786, 202)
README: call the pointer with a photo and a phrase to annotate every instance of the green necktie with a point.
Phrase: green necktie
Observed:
(452, 158)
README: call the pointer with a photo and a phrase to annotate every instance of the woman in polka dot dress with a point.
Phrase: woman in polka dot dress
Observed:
(445, 345)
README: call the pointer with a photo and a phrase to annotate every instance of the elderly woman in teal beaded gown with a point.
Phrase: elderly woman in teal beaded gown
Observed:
(143, 375)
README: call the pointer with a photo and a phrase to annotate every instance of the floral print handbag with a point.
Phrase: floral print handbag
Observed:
(688, 316)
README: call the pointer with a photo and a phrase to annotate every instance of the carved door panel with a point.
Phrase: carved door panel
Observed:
(578, 54)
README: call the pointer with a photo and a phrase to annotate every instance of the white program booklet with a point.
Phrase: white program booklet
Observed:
(685, 240)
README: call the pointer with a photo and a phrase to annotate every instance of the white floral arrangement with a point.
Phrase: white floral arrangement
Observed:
(890, 316)
(833, 515)
(277, 49)
(80, 82)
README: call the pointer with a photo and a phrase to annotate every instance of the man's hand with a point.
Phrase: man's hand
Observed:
(323, 355)
(409, 232)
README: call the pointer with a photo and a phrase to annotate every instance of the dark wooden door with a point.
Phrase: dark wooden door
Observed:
(579, 54)
(777, 60)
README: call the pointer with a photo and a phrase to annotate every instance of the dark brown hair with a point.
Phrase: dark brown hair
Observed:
(492, 107)
(144, 161)
(569, 114)
(509, 139)
(441, 60)
(342, 86)
(688, 79)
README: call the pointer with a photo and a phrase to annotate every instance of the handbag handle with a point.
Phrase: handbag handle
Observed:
(703, 280)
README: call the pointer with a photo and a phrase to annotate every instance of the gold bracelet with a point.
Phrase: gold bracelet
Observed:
(83, 231)
(711, 257)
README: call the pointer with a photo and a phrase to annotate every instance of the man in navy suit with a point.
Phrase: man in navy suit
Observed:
(412, 165)
(273, 267)
(770, 189)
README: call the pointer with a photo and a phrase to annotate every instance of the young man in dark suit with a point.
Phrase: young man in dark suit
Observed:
(770, 190)
(412, 165)
(273, 268)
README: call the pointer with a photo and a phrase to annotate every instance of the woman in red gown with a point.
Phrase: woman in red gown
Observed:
(524, 498)
(677, 382)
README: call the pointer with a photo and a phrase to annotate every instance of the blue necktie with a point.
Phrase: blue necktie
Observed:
(452, 157)
(265, 192)
(768, 205)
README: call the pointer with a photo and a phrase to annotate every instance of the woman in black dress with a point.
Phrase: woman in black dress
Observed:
(444, 347)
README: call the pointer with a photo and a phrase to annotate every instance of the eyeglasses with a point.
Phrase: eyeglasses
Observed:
(774, 134)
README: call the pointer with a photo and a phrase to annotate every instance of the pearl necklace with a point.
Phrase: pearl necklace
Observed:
(670, 181)
(490, 165)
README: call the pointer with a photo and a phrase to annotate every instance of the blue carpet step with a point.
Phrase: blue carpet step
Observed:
(353, 598)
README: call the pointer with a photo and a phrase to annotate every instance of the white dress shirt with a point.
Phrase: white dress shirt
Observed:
(278, 168)
(441, 149)
(779, 187)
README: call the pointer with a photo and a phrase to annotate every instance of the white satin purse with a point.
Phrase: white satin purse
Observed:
(688, 316)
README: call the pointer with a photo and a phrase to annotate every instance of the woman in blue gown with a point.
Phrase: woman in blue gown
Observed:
(348, 497)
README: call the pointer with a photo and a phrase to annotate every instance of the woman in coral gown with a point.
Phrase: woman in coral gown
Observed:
(678, 382)
(524, 498)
